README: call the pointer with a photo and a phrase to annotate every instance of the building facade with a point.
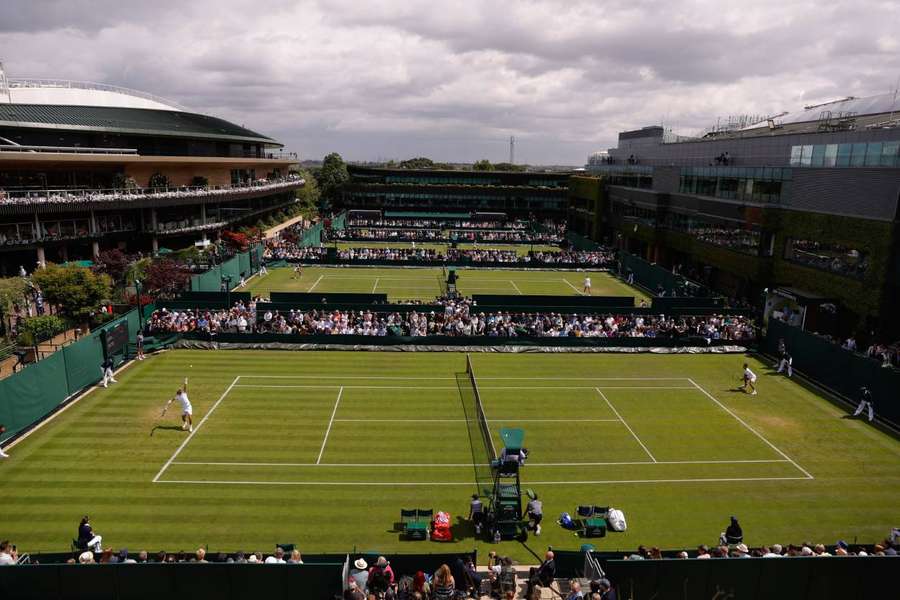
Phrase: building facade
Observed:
(517, 194)
(807, 201)
(85, 167)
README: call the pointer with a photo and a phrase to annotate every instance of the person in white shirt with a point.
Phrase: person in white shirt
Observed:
(8, 555)
(277, 558)
(587, 286)
(187, 411)
(749, 380)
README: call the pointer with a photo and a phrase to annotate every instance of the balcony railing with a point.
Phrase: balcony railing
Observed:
(63, 197)
(67, 149)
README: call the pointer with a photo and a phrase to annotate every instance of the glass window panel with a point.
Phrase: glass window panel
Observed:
(795, 155)
(858, 158)
(831, 152)
(889, 151)
(806, 156)
(818, 156)
(873, 154)
(843, 155)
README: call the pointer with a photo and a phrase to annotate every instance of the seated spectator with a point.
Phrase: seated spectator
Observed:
(733, 534)
(86, 536)
(542, 575)
(8, 555)
(381, 576)
(443, 586)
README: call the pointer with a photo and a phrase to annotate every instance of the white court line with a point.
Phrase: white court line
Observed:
(474, 420)
(472, 484)
(316, 283)
(196, 429)
(421, 465)
(579, 378)
(341, 377)
(584, 387)
(579, 292)
(374, 287)
(412, 378)
(756, 433)
(515, 287)
(330, 423)
(356, 387)
(627, 426)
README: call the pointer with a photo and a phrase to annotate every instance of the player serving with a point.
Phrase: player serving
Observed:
(187, 410)
(749, 380)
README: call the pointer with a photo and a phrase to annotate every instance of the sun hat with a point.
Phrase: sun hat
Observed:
(382, 562)
(252, 559)
(360, 563)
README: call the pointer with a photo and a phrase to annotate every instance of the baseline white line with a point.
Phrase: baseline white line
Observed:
(341, 377)
(579, 292)
(376, 284)
(420, 465)
(518, 291)
(411, 378)
(587, 378)
(471, 484)
(196, 429)
(316, 283)
(330, 423)
(492, 420)
(587, 387)
(627, 426)
(756, 433)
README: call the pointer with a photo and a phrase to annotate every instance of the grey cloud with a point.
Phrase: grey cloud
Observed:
(395, 79)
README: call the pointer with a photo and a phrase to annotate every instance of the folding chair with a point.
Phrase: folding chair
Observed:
(414, 527)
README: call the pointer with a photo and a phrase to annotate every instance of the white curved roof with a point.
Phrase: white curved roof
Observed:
(81, 93)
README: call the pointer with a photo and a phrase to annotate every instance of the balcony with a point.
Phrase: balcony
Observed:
(44, 201)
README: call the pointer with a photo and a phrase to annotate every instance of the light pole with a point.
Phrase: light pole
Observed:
(140, 303)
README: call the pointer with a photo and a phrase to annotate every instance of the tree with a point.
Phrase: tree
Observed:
(483, 165)
(77, 291)
(158, 181)
(166, 277)
(114, 263)
(331, 177)
(417, 163)
(236, 240)
(308, 195)
(505, 166)
(35, 330)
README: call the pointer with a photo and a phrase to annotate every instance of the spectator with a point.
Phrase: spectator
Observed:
(86, 558)
(277, 558)
(295, 558)
(359, 574)
(542, 575)
(443, 585)
(574, 590)
(86, 536)
(8, 554)
(381, 576)
(2, 431)
(201, 555)
(733, 534)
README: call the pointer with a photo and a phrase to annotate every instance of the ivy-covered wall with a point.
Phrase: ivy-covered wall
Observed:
(864, 296)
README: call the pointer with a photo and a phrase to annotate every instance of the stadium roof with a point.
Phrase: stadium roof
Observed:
(140, 121)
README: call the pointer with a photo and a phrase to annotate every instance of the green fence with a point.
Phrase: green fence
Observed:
(655, 278)
(841, 370)
(40, 388)
(582, 243)
(173, 580)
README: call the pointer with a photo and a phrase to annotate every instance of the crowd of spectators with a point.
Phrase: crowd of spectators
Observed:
(82, 196)
(483, 255)
(389, 254)
(742, 240)
(282, 249)
(829, 257)
(437, 223)
(457, 319)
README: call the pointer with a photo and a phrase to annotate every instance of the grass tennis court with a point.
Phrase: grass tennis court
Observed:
(322, 449)
(425, 283)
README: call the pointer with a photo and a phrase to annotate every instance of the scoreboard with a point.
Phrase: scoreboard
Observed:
(116, 339)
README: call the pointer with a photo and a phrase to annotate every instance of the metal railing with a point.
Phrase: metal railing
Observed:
(69, 196)
(27, 82)
(67, 149)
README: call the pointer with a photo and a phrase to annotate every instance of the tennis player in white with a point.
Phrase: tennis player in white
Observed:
(587, 286)
(749, 380)
(187, 411)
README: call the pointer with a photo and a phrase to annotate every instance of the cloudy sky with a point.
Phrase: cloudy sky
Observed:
(379, 79)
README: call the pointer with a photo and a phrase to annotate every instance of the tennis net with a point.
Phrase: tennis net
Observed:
(479, 413)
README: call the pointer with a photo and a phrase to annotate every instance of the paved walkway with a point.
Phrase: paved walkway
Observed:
(44, 349)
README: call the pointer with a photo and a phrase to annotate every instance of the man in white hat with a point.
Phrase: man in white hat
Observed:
(359, 574)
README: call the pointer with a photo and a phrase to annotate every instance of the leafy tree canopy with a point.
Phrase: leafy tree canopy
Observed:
(77, 291)
(114, 263)
(483, 165)
(331, 176)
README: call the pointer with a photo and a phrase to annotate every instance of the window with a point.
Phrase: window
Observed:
(873, 154)
(858, 157)
(843, 155)
(889, 151)
(831, 152)
(795, 155)
(818, 155)
(806, 156)
(827, 256)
